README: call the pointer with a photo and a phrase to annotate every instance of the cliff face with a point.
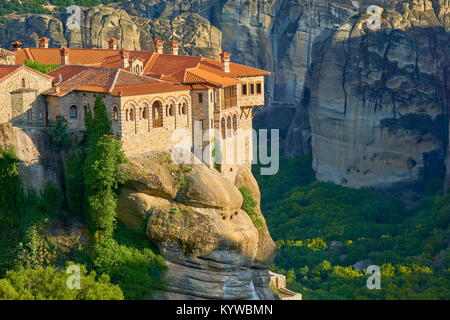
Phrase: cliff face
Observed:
(211, 246)
(99, 24)
(377, 101)
(39, 161)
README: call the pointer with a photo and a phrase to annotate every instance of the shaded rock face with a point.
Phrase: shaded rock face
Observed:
(212, 248)
(377, 102)
(98, 24)
(40, 163)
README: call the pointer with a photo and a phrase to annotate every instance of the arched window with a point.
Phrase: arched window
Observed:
(235, 123)
(157, 113)
(223, 128)
(171, 110)
(73, 112)
(115, 113)
(24, 83)
(145, 113)
(132, 114)
(229, 130)
(140, 117)
(184, 109)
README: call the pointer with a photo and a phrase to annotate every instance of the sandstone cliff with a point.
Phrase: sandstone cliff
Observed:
(211, 246)
(99, 24)
(40, 163)
(377, 101)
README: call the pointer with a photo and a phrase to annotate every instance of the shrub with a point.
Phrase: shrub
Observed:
(50, 284)
(137, 271)
(11, 195)
(58, 133)
(41, 67)
(249, 205)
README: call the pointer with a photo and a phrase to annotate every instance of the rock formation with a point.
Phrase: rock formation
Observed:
(377, 101)
(39, 161)
(211, 246)
(99, 24)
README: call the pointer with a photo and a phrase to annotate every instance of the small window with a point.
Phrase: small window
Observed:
(184, 109)
(24, 83)
(244, 89)
(223, 128)
(30, 114)
(171, 113)
(115, 113)
(144, 113)
(211, 97)
(252, 88)
(258, 88)
(73, 112)
(132, 114)
(200, 98)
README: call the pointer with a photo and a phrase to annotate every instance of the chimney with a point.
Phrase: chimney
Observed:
(125, 56)
(43, 42)
(225, 57)
(174, 47)
(159, 46)
(17, 45)
(64, 56)
(113, 43)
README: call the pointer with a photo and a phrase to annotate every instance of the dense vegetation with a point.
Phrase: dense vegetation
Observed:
(116, 262)
(41, 67)
(327, 235)
(38, 6)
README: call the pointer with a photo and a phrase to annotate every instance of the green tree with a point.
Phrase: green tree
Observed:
(74, 182)
(11, 195)
(50, 284)
(102, 173)
(58, 133)
(41, 67)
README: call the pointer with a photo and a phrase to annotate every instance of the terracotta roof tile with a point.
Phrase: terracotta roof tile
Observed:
(174, 68)
(97, 79)
(7, 70)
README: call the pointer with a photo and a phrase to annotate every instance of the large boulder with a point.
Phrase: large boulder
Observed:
(211, 246)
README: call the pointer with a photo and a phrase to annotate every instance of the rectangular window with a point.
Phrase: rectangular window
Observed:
(200, 98)
(252, 88)
(244, 89)
(258, 88)
(211, 97)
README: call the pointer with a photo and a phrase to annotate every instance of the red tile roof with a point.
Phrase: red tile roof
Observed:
(175, 68)
(118, 82)
(8, 70)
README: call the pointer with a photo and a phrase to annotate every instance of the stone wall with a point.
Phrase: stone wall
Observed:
(19, 94)
(80, 101)
(251, 99)
(140, 133)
